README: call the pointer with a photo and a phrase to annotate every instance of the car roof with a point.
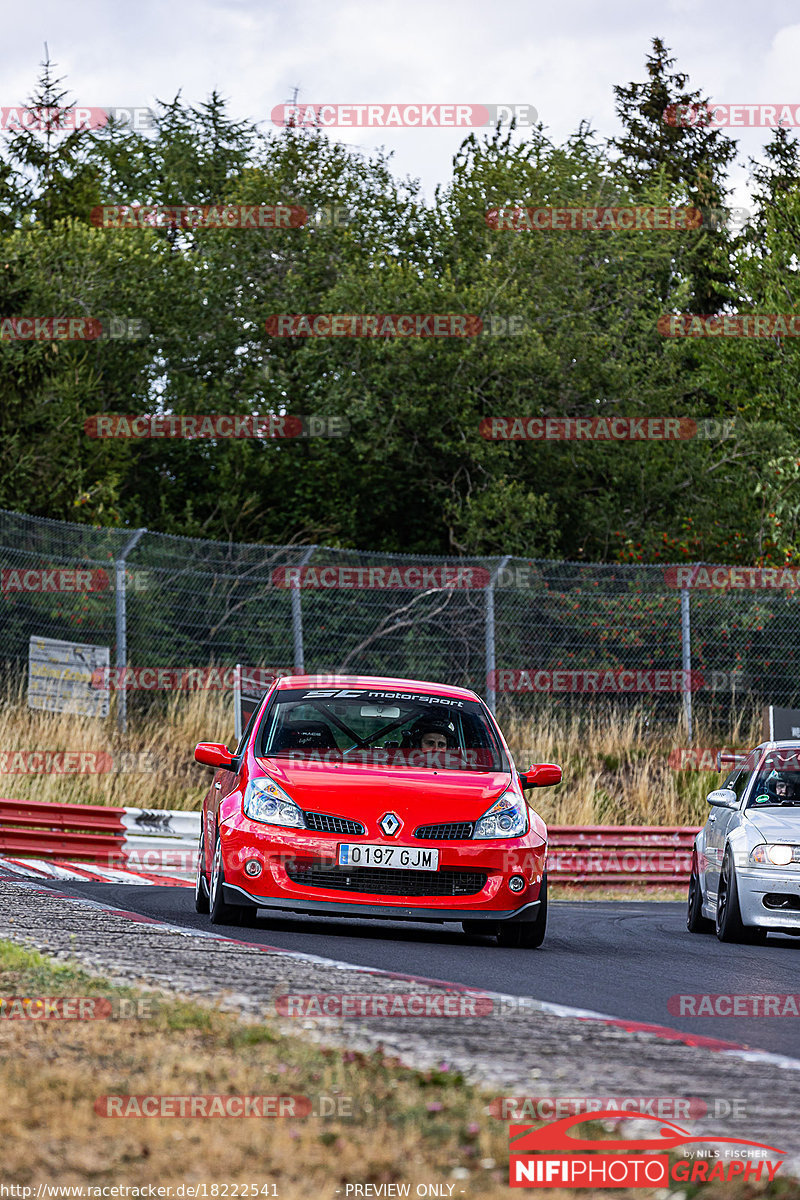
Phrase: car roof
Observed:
(382, 682)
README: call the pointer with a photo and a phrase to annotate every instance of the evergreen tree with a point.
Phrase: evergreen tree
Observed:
(667, 139)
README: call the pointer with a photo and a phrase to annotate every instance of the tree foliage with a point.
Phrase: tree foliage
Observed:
(414, 472)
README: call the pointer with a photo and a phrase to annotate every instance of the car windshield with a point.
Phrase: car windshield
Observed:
(777, 783)
(371, 727)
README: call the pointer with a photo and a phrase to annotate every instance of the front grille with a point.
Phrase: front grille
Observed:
(454, 831)
(383, 882)
(325, 823)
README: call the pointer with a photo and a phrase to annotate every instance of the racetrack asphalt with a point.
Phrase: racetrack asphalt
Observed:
(623, 959)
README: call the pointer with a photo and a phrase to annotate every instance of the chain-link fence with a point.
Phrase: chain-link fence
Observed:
(677, 638)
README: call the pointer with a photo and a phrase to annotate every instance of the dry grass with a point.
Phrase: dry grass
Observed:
(159, 744)
(615, 765)
(616, 768)
(394, 1124)
(397, 1124)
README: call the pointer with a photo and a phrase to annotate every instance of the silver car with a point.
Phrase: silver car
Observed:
(745, 879)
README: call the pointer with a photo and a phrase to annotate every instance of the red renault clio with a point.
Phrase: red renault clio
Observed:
(374, 798)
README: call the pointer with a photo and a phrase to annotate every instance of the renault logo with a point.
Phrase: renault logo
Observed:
(390, 823)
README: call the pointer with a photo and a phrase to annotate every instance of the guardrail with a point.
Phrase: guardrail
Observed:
(143, 839)
(604, 856)
(615, 856)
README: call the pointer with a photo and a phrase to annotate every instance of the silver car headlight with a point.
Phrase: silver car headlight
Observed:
(266, 802)
(507, 818)
(775, 854)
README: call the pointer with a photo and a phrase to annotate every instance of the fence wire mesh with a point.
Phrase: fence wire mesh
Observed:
(514, 629)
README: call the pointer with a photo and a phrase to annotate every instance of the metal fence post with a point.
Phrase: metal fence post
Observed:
(122, 628)
(297, 617)
(686, 649)
(237, 703)
(491, 690)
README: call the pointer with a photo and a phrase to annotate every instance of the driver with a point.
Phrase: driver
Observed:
(432, 734)
(784, 787)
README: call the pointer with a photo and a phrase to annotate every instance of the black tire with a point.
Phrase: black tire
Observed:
(695, 921)
(479, 928)
(526, 935)
(248, 915)
(200, 882)
(729, 924)
(220, 912)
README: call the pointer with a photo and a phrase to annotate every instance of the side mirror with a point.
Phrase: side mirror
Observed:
(723, 798)
(541, 775)
(213, 754)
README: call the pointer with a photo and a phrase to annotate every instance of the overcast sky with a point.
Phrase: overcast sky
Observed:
(562, 57)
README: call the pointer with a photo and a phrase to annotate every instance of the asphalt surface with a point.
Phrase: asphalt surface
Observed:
(623, 959)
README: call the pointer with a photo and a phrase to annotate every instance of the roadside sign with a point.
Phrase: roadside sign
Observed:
(60, 677)
(781, 724)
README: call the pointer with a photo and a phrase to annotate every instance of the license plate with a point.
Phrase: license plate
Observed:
(403, 858)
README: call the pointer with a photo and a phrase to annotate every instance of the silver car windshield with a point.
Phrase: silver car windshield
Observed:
(777, 784)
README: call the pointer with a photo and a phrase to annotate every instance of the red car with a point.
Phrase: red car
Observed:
(374, 797)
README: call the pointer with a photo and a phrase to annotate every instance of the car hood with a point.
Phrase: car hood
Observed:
(776, 825)
(363, 792)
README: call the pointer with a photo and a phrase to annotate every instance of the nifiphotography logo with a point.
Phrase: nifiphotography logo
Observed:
(548, 1156)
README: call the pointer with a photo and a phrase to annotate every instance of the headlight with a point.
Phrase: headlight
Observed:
(779, 855)
(265, 801)
(507, 818)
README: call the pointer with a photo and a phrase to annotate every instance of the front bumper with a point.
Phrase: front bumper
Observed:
(755, 885)
(280, 851)
(384, 912)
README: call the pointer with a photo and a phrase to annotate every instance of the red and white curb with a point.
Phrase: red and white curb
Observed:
(41, 868)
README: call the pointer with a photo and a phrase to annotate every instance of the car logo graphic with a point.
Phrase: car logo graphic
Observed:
(556, 1136)
(390, 823)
